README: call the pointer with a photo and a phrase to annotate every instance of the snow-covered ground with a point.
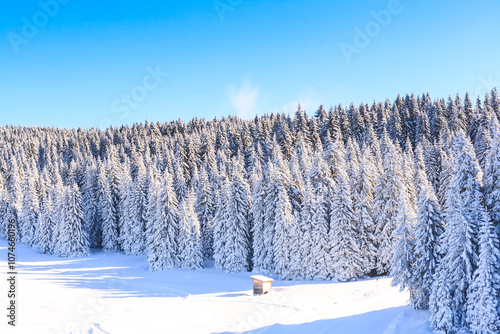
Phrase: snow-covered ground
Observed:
(115, 293)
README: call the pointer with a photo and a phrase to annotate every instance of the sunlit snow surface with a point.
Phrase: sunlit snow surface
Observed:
(111, 292)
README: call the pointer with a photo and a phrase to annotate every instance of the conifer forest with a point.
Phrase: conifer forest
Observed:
(407, 187)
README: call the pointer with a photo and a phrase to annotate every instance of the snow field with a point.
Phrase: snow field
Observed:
(112, 292)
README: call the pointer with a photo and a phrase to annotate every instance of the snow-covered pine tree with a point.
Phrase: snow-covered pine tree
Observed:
(108, 213)
(275, 187)
(402, 266)
(152, 199)
(126, 209)
(409, 179)
(150, 214)
(30, 210)
(263, 229)
(304, 262)
(56, 192)
(363, 211)
(14, 196)
(113, 178)
(46, 225)
(295, 267)
(282, 226)
(344, 234)
(320, 177)
(491, 181)
(446, 157)
(464, 211)
(390, 205)
(440, 300)
(221, 224)
(138, 206)
(237, 243)
(162, 235)
(204, 207)
(296, 187)
(320, 249)
(482, 143)
(483, 297)
(91, 205)
(72, 239)
(304, 154)
(179, 183)
(352, 160)
(428, 230)
(191, 254)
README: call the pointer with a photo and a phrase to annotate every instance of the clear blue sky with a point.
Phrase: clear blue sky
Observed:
(233, 57)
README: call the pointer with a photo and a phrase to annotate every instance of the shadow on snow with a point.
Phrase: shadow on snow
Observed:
(122, 275)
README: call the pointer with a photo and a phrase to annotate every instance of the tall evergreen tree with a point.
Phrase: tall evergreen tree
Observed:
(390, 206)
(304, 263)
(464, 211)
(72, 239)
(363, 212)
(428, 230)
(191, 255)
(344, 234)
(91, 205)
(162, 235)
(14, 196)
(483, 299)
(204, 207)
(108, 214)
(126, 210)
(46, 225)
(237, 245)
(221, 219)
(491, 181)
(263, 228)
(282, 225)
(30, 210)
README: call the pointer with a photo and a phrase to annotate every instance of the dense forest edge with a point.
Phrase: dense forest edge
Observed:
(409, 188)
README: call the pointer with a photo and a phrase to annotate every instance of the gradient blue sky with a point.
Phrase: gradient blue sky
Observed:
(261, 57)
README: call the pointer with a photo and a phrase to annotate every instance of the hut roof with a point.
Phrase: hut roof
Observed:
(261, 278)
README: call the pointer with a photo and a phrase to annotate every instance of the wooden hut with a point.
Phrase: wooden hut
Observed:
(261, 284)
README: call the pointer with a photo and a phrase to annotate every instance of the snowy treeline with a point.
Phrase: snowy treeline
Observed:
(409, 188)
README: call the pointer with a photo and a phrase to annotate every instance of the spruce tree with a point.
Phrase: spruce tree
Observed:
(30, 211)
(191, 255)
(483, 298)
(282, 229)
(126, 208)
(138, 213)
(491, 181)
(320, 249)
(91, 205)
(464, 211)
(46, 225)
(162, 235)
(263, 229)
(428, 230)
(237, 243)
(390, 206)
(344, 234)
(108, 214)
(14, 197)
(221, 219)
(72, 239)
(204, 207)
(363, 211)
(305, 263)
